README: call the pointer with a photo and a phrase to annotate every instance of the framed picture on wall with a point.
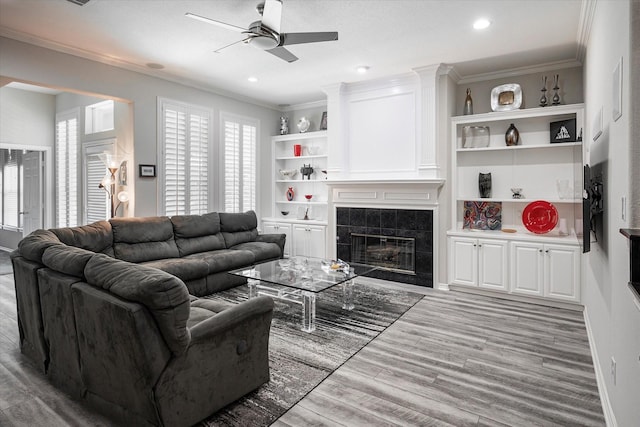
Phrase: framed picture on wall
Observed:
(147, 171)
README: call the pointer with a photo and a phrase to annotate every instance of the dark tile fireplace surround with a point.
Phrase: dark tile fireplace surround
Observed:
(417, 224)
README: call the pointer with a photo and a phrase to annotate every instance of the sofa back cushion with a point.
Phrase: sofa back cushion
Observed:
(96, 237)
(238, 227)
(164, 295)
(143, 239)
(197, 233)
(67, 259)
(33, 246)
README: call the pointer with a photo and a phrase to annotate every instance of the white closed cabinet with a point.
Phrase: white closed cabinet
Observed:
(309, 240)
(545, 270)
(279, 228)
(479, 263)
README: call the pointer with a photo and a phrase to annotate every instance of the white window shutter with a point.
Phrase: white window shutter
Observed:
(240, 160)
(67, 169)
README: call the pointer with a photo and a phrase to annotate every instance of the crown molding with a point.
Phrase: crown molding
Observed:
(125, 65)
(549, 66)
(587, 12)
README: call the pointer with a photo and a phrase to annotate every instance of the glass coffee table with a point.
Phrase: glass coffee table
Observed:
(299, 280)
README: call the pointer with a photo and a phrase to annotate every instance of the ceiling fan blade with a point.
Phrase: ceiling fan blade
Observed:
(283, 53)
(272, 14)
(299, 38)
(231, 44)
(214, 22)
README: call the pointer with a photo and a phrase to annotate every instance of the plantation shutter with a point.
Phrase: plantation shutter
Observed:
(240, 159)
(231, 166)
(186, 142)
(67, 169)
(12, 183)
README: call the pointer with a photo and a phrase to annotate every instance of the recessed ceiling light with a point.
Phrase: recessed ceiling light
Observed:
(362, 69)
(155, 66)
(252, 79)
(481, 24)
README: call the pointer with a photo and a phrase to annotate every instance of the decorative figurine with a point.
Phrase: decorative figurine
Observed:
(543, 98)
(284, 125)
(512, 136)
(517, 193)
(556, 97)
(484, 185)
(306, 170)
(290, 194)
(468, 104)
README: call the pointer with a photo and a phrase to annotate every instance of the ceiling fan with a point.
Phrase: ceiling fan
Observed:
(266, 35)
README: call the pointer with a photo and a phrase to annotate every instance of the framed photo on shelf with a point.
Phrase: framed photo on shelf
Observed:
(147, 171)
(323, 121)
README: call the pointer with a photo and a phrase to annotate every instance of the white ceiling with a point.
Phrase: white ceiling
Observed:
(392, 37)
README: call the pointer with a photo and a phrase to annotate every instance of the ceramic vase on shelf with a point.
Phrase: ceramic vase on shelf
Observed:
(468, 104)
(512, 136)
(284, 125)
(484, 185)
(290, 194)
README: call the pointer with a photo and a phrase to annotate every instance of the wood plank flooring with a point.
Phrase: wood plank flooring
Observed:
(453, 359)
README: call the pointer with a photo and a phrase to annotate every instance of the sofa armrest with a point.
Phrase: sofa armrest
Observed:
(231, 317)
(278, 239)
(228, 357)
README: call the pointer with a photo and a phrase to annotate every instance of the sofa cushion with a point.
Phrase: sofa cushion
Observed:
(143, 239)
(33, 246)
(183, 268)
(197, 233)
(225, 259)
(164, 295)
(231, 222)
(96, 237)
(67, 259)
(262, 251)
(202, 309)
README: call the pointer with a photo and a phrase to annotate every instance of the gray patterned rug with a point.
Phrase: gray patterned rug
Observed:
(299, 361)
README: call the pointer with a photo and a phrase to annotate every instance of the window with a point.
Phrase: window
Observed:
(186, 138)
(99, 117)
(67, 168)
(240, 156)
(11, 184)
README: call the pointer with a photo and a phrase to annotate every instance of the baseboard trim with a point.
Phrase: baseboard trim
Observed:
(609, 416)
(519, 298)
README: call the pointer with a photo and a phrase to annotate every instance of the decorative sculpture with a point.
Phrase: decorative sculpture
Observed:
(306, 170)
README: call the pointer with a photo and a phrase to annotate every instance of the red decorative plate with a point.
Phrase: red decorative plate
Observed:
(540, 217)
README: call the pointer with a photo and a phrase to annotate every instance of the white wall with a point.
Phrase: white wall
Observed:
(27, 62)
(612, 316)
(26, 118)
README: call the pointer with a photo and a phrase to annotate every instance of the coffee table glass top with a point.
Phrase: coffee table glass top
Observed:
(307, 274)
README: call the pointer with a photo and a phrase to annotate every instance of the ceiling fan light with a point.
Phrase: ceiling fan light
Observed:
(263, 42)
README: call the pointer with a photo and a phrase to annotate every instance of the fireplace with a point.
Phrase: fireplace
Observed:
(398, 241)
(385, 252)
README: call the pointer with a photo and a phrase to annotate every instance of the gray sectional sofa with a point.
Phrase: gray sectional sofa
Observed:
(110, 313)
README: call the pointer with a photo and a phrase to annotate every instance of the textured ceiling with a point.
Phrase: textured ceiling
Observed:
(390, 36)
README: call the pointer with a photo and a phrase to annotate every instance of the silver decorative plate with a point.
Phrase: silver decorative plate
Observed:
(506, 97)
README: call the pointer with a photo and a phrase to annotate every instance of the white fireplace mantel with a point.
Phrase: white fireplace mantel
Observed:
(395, 193)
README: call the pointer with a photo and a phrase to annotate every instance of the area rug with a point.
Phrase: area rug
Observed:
(299, 361)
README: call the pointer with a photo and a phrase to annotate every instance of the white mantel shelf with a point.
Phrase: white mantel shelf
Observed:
(386, 181)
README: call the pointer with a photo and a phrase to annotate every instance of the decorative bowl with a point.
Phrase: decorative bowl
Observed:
(284, 213)
(288, 173)
(308, 196)
(313, 150)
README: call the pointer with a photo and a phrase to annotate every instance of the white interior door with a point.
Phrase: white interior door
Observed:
(32, 192)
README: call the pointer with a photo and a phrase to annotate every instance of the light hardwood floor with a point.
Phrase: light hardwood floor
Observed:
(453, 359)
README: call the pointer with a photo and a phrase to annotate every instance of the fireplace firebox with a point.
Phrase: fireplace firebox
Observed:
(386, 252)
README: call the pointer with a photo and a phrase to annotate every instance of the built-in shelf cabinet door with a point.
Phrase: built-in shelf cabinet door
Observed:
(279, 228)
(309, 240)
(493, 264)
(463, 261)
(562, 272)
(527, 268)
